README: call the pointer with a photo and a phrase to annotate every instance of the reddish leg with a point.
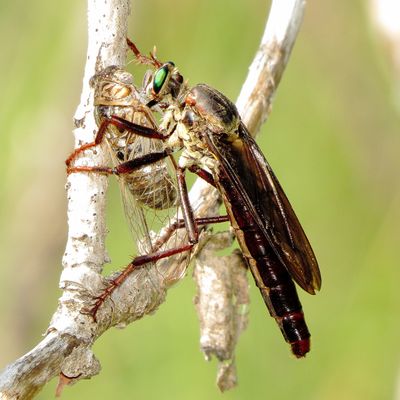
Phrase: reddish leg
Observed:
(125, 167)
(180, 223)
(203, 174)
(134, 264)
(189, 222)
(139, 261)
(121, 124)
(97, 140)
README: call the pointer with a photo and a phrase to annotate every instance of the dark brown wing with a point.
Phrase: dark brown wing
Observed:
(250, 172)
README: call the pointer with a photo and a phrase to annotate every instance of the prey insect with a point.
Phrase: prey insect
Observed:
(139, 162)
(115, 96)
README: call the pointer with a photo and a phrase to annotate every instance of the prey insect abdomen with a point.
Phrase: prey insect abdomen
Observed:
(271, 276)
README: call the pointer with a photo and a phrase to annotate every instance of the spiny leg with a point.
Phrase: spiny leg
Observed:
(140, 261)
(189, 222)
(97, 140)
(193, 234)
(119, 123)
(180, 223)
(126, 167)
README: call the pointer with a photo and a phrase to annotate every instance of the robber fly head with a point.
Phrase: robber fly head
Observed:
(164, 84)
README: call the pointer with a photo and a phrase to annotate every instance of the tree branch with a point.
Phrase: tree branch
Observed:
(254, 105)
(66, 349)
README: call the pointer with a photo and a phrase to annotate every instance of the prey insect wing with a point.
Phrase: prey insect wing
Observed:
(148, 194)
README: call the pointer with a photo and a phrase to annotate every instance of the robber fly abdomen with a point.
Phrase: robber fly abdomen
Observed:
(115, 95)
(271, 277)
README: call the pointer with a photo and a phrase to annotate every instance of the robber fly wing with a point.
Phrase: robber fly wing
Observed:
(266, 200)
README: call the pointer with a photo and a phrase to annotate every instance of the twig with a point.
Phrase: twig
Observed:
(66, 349)
(385, 19)
(222, 305)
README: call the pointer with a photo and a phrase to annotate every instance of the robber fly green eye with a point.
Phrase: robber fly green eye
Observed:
(161, 77)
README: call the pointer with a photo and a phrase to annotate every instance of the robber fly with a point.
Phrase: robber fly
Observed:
(217, 146)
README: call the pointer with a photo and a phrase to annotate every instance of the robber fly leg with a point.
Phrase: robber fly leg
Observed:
(139, 162)
(180, 223)
(121, 124)
(188, 220)
(187, 211)
(97, 140)
(136, 263)
(125, 167)
(202, 174)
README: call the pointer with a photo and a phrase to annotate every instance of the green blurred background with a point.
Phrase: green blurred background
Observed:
(332, 139)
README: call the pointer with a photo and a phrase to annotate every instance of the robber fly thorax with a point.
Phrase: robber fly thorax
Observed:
(168, 92)
(116, 95)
